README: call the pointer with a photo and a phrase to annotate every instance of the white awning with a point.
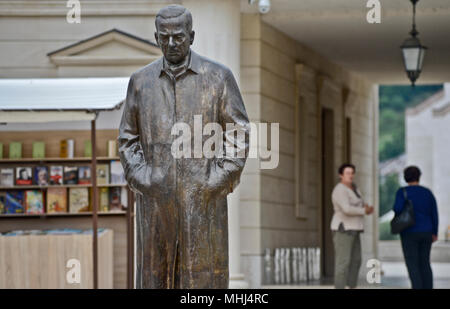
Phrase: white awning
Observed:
(59, 99)
(44, 116)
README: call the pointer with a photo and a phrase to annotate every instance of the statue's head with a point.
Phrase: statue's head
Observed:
(174, 32)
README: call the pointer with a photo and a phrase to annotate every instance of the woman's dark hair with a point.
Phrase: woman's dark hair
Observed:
(344, 166)
(411, 174)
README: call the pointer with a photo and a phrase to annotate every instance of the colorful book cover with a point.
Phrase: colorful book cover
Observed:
(124, 197)
(34, 202)
(15, 150)
(115, 203)
(84, 175)
(41, 176)
(70, 175)
(24, 175)
(102, 174)
(2, 202)
(87, 148)
(63, 149)
(38, 150)
(56, 175)
(15, 202)
(67, 148)
(7, 177)
(104, 199)
(78, 200)
(117, 173)
(56, 200)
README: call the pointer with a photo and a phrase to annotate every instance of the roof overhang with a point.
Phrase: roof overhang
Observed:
(59, 99)
(339, 31)
(44, 116)
(109, 48)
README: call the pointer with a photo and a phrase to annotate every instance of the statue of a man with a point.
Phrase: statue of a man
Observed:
(181, 212)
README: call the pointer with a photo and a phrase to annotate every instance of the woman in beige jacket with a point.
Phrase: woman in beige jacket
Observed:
(347, 223)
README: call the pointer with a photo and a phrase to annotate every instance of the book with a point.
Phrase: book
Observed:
(56, 200)
(84, 175)
(41, 176)
(34, 202)
(56, 175)
(70, 148)
(117, 173)
(14, 202)
(67, 148)
(15, 150)
(1, 150)
(38, 150)
(7, 177)
(63, 149)
(87, 148)
(102, 174)
(124, 197)
(2, 202)
(70, 175)
(112, 148)
(78, 200)
(103, 199)
(24, 175)
(115, 202)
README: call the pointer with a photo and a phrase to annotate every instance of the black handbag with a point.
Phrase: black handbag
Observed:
(405, 218)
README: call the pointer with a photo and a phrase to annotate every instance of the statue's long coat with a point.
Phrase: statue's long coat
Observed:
(181, 205)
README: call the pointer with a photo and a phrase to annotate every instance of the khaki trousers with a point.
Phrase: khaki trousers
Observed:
(347, 248)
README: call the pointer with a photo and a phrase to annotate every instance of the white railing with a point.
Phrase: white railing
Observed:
(291, 265)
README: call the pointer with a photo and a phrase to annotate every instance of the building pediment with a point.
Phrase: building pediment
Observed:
(113, 47)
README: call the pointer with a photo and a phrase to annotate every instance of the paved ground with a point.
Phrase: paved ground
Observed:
(391, 251)
(395, 277)
(395, 274)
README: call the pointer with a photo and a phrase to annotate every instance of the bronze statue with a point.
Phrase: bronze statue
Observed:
(181, 212)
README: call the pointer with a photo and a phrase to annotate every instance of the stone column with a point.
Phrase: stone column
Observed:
(237, 279)
(217, 26)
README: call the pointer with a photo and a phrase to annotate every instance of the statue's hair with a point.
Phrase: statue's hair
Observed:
(174, 11)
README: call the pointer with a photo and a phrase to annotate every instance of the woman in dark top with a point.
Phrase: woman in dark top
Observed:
(417, 239)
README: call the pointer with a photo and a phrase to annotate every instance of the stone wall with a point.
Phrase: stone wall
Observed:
(274, 69)
(38, 29)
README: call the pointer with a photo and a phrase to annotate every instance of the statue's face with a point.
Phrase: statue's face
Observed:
(174, 38)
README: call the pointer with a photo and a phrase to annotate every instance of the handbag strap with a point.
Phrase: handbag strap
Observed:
(405, 195)
(355, 190)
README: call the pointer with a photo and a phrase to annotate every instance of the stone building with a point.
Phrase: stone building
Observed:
(311, 66)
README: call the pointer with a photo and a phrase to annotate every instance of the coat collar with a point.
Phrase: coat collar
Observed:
(193, 65)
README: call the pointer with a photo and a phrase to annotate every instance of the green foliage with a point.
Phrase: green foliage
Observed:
(393, 102)
(388, 188)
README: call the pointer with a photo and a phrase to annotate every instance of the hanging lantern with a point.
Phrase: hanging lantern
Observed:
(413, 51)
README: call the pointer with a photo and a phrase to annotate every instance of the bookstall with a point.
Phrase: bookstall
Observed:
(46, 175)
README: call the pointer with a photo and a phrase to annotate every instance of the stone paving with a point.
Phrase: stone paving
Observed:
(395, 277)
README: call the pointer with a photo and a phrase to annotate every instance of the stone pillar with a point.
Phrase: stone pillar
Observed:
(237, 279)
(217, 26)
